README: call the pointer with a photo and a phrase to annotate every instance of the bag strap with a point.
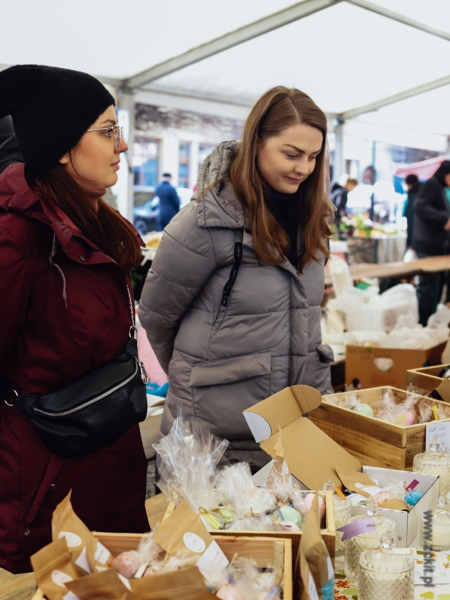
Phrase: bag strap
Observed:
(133, 332)
(238, 255)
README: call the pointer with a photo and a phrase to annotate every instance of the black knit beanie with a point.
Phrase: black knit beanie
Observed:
(51, 109)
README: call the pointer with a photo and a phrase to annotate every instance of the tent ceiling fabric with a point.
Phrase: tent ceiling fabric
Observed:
(344, 57)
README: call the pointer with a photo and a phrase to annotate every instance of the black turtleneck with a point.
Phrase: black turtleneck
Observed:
(283, 208)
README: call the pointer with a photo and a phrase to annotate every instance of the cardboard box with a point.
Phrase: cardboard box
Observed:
(428, 380)
(311, 455)
(265, 551)
(373, 441)
(409, 524)
(361, 371)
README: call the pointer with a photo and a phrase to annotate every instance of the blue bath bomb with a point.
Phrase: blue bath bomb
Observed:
(412, 498)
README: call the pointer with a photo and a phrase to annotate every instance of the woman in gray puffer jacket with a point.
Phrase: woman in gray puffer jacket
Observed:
(232, 303)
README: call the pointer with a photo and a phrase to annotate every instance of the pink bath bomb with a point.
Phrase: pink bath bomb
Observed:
(127, 564)
(230, 592)
(307, 501)
(287, 526)
(383, 496)
(410, 417)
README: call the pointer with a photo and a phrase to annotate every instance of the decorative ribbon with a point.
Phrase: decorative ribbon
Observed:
(357, 527)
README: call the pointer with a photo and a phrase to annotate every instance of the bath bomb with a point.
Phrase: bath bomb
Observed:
(230, 592)
(307, 501)
(127, 564)
(364, 409)
(289, 514)
(383, 496)
(410, 417)
(413, 497)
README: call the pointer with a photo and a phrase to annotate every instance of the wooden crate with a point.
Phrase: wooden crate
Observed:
(328, 533)
(425, 378)
(264, 551)
(374, 442)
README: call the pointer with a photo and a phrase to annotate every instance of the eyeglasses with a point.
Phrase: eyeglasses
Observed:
(118, 133)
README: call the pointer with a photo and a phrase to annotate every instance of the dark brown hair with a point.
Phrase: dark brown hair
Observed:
(102, 225)
(275, 111)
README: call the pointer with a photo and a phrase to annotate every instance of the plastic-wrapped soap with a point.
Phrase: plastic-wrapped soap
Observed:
(127, 564)
(364, 409)
(307, 501)
(289, 514)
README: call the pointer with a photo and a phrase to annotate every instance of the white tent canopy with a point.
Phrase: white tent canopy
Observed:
(379, 63)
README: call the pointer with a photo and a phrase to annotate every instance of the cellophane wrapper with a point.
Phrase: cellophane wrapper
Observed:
(189, 455)
(251, 583)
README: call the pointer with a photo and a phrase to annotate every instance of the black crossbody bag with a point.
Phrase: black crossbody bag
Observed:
(95, 409)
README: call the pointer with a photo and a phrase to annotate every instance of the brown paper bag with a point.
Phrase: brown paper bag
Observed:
(184, 584)
(350, 479)
(101, 586)
(184, 534)
(307, 589)
(53, 568)
(88, 553)
(311, 542)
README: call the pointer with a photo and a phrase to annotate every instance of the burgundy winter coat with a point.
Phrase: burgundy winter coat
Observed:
(63, 311)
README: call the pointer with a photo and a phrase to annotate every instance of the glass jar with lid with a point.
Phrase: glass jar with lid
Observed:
(386, 573)
(436, 529)
(435, 461)
(368, 540)
(342, 514)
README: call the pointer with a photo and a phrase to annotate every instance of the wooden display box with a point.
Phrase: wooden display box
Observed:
(361, 370)
(264, 551)
(328, 533)
(374, 442)
(425, 378)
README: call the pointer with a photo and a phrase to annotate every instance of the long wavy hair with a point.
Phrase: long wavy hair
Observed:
(275, 111)
(100, 224)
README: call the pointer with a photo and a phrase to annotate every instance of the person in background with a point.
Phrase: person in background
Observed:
(232, 302)
(339, 195)
(169, 202)
(431, 236)
(65, 304)
(412, 185)
(9, 150)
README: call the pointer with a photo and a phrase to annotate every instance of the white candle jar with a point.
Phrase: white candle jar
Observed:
(435, 461)
(436, 531)
(384, 575)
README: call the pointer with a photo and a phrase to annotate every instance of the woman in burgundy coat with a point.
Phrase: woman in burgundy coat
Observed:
(65, 259)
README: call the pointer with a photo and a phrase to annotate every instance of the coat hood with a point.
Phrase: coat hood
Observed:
(17, 196)
(218, 207)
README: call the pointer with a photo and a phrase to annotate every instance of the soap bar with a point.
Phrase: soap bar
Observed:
(289, 514)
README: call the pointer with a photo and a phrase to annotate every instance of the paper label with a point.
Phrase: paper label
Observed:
(370, 489)
(412, 486)
(101, 569)
(439, 430)
(211, 559)
(312, 590)
(125, 581)
(60, 578)
(70, 596)
(194, 543)
(73, 540)
(357, 527)
(82, 561)
(330, 568)
(101, 553)
(355, 499)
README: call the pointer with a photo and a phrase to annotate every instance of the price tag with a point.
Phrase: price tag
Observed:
(439, 430)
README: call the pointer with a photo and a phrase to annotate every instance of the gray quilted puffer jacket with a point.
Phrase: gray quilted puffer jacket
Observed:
(224, 358)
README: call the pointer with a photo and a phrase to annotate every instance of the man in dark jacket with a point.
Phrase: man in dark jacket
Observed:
(339, 195)
(431, 236)
(169, 202)
(9, 150)
(413, 186)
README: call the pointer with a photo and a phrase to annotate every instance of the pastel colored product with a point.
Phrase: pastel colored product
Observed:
(230, 592)
(127, 564)
(411, 418)
(412, 498)
(364, 409)
(383, 496)
(289, 514)
(307, 501)
(287, 526)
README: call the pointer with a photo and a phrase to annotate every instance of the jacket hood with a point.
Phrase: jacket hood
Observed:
(17, 196)
(218, 207)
